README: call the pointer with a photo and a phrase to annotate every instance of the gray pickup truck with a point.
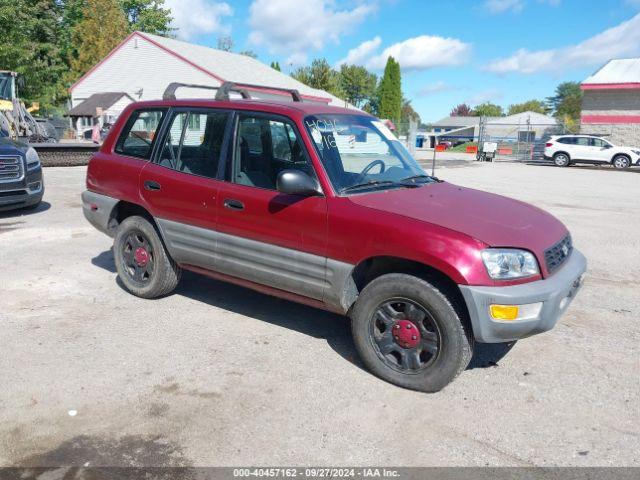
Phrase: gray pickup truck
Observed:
(21, 182)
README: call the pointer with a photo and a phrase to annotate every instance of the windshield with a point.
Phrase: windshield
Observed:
(358, 150)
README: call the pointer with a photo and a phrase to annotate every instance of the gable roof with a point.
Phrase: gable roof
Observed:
(225, 66)
(618, 73)
(534, 118)
(457, 121)
(95, 101)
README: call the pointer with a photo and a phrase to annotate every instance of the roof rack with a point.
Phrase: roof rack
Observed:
(223, 91)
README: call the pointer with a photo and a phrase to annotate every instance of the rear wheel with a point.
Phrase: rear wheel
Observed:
(561, 160)
(143, 265)
(408, 333)
(621, 162)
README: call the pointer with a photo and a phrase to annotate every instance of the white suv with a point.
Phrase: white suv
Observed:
(567, 149)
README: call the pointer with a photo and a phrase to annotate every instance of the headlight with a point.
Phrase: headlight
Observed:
(509, 263)
(33, 160)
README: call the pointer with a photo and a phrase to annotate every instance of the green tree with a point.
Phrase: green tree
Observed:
(102, 28)
(320, 75)
(149, 16)
(488, 109)
(408, 114)
(29, 45)
(390, 92)
(276, 66)
(462, 110)
(537, 106)
(567, 101)
(358, 84)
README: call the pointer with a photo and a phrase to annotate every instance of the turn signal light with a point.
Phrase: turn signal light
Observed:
(504, 312)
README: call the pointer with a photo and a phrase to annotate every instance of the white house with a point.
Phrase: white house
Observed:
(143, 65)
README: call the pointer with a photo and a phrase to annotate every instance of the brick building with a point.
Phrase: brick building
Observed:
(611, 102)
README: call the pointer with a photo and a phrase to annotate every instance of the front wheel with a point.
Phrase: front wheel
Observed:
(561, 160)
(621, 162)
(408, 333)
(143, 265)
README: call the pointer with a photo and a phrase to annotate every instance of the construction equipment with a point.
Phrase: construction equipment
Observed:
(16, 121)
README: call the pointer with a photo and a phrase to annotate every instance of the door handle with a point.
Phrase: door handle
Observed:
(232, 204)
(151, 185)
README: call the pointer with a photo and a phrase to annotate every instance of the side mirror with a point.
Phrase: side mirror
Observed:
(296, 182)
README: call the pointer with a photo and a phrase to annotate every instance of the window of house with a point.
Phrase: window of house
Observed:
(139, 133)
(193, 142)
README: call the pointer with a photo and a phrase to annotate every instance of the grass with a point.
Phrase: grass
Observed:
(463, 147)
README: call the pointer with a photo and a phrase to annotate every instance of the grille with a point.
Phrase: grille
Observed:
(556, 255)
(11, 169)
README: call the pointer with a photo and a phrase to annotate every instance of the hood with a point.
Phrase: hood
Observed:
(493, 219)
(9, 147)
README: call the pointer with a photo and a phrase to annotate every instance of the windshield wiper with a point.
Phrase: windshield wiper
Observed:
(377, 183)
(420, 177)
(371, 184)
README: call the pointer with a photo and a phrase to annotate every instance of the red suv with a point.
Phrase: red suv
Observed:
(324, 206)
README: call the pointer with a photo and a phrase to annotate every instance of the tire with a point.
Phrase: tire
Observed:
(442, 325)
(621, 162)
(146, 273)
(561, 160)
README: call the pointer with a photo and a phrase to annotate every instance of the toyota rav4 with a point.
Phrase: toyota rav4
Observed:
(324, 206)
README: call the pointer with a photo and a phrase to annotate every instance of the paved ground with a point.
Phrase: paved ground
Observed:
(219, 375)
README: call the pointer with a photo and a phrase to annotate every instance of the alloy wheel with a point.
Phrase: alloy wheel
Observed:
(138, 257)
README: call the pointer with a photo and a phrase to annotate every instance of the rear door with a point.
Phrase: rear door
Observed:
(180, 186)
(267, 237)
(582, 149)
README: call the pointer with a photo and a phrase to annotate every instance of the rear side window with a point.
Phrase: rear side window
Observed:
(193, 143)
(567, 140)
(139, 134)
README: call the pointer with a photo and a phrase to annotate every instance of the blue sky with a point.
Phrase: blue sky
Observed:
(504, 51)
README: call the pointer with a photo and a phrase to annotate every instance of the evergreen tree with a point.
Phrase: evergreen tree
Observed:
(567, 101)
(148, 16)
(102, 28)
(390, 92)
(276, 66)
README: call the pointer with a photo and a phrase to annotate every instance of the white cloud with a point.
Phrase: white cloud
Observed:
(619, 41)
(294, 27)
(423, 52)
(197, 17)
(501, 6)
(360, 54)
(435, 87)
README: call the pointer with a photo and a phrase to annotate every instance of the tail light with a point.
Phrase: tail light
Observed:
(549, 144)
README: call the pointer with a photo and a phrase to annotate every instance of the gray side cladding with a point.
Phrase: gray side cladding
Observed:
(286, 269)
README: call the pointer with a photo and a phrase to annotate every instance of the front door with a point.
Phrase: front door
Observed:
(264, 236)
(180, 187)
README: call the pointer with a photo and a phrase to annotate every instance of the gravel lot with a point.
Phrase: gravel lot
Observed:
(219, 375)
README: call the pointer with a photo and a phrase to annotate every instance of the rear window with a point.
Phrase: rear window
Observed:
(139, 134)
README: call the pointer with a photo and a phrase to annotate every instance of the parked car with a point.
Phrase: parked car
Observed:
(21, 182)
(445, 144)
(565, 150)
(324, 206)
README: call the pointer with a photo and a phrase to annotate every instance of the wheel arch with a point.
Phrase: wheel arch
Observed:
(561, 152)
(124, 209)
(622, 154)
(371, 268)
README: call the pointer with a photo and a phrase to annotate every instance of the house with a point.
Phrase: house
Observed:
(611, 102)
(143, 65)
(520, 127)
(99, 108)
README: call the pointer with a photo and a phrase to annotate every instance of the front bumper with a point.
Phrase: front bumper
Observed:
(24, 193)
(555, 292)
